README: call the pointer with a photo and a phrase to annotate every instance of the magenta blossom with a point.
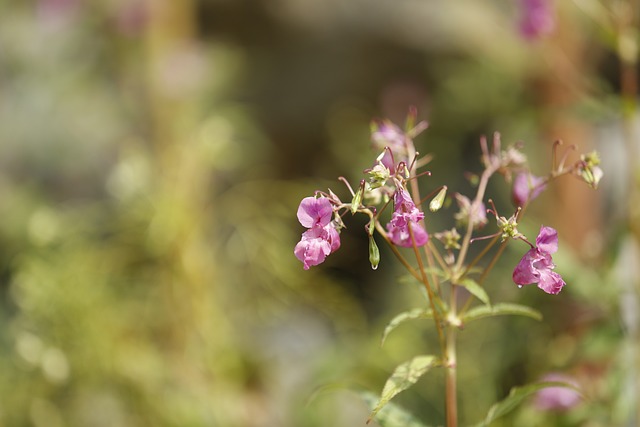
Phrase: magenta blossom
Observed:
(314, 212)
(406, 215)
(316, 244)
(557, 398)
(387, 134)
(536, 266)
(527, 187)
(322, 238)
(538, 18)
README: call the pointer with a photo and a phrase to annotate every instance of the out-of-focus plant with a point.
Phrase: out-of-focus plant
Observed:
(451, 279)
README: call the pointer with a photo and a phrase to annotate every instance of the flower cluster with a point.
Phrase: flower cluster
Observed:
(444, 265)
(322, 237)
(387, 180)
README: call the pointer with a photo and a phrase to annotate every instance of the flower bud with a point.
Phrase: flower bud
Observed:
(438, 201)
(374, 253)
(509, 227)
(357, 200)
(449, 238)
(589, 171)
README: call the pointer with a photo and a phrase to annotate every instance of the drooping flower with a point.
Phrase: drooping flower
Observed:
(557, 398)
(537, 18)
(527, 187)
(536, 266)
(322, 237)
(476, 213)
(406, 216)
(316, 244)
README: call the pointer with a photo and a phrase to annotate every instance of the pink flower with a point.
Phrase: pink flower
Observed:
(406, 215)
(527, 187)
(314, 211)
(316, 244)
(387, 134)
(322, 238)
(538, 18)
(536, 266)
(557, 398)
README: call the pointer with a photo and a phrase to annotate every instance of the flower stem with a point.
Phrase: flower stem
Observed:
(482, 187)
(432, 298)
(451, 395)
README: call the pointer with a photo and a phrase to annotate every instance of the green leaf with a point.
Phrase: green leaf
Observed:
(404, 377)
(500, 309)
(416, 313)
(515, 398)
(437, 271)
(391, 415)
(475, 289)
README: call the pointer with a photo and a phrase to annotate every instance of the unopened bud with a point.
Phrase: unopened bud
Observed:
(374, 253)
(590, 172)
(378, 176)
(509, 227)
(357, 200)
(437, 202)
(450, 238)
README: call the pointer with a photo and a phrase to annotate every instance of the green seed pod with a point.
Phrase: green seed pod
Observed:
(438, 201)
(374, 253)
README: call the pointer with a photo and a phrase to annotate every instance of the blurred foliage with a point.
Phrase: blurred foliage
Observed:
(152, 157)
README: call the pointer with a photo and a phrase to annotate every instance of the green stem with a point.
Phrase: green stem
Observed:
(486, 271)
(397, 253)
(436, 314)
(451, 369)
(482, 187)
(480, 255)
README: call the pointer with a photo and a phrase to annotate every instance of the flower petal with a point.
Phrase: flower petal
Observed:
(525, 272)
(312, 250)
(558, 398)
(547, 240)
(400, 235)
(332, 236)
(314, 211)
(526, 187)
(550, 282)
(386, 134)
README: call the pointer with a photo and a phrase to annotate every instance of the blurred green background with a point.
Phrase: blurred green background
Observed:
(152, 157)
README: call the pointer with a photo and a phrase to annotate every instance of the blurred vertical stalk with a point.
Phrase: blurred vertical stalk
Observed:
(183, 222)
(170, 27)
(563, 87)
(627, 31)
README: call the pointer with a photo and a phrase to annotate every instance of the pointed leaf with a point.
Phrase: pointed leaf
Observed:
(515, 398)
(475, 289)
(416, 313)
(500, 309)
(391, 415)
(437, 271)
(404, 377)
